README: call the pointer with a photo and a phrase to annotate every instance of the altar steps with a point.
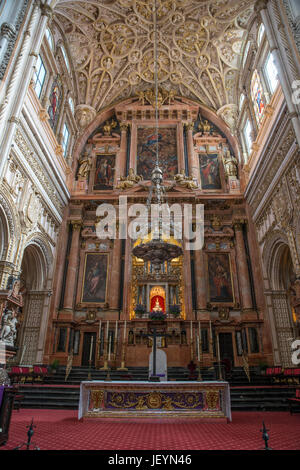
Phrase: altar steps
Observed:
(250, 398)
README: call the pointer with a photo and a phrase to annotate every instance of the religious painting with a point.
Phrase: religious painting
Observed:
(55, 99)
(219, 274)
(147, 141)
(95, 278)
(210, 171)
(104, 172)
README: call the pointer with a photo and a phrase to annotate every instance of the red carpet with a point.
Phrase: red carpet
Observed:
(60, 430)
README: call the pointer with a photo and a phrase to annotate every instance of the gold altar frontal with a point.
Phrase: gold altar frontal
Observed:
(108, 399)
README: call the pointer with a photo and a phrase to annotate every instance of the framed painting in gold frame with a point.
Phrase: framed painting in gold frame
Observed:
(220, 278)
(94, 286)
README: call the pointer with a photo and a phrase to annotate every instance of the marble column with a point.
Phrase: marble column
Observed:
(200, 281)
(121, 163)
(72, 266)
(193, 160)
(115, 274)
(187, 284)
(242, 266)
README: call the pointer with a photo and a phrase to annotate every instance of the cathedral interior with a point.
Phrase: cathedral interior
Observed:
(91, 92)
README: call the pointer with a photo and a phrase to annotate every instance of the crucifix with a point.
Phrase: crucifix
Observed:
(154, 334)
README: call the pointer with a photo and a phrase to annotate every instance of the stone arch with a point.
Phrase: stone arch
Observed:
(37, 251)
(278, 268)
(36, 271)
(10, 227)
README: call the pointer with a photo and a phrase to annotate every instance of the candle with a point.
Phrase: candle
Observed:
(124, 330)
(91, 347)
(109, 347)
(211, 337)
(218, 344)
(198, 345)
(100, 324)
(116, 332)
(191, 330)
(107, 326)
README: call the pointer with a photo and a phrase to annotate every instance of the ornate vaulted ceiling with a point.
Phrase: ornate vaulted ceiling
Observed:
(199, 50)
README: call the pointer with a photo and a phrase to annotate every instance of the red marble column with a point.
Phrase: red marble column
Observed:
(200, 280)
(243, 274)
(121, 163)
(115, 274)
(193, 161)
(187, 284)
(72, 266)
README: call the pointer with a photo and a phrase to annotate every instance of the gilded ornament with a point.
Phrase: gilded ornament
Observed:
(129, 181)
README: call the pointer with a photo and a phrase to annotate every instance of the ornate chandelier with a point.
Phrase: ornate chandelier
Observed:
(157, 250)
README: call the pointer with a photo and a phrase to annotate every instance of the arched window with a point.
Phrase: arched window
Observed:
(39, 76)
(257, 96)
(242, 99)
(271, 73)
(65, 57)
(246, 52)
(65, 139)
(71, 104)
(260, 35)
(49, 37)
(247, 131)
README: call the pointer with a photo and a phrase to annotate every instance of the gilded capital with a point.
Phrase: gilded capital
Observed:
(76, 224)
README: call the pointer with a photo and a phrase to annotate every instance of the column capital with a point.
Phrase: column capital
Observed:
(189, 126)
(76, 224)
(239, 223)
(260, 5)
(124, 126)
(47, 11)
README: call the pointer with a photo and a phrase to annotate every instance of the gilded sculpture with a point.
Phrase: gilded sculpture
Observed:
(230, 164)
(127, 182)
(85, 164)
(185, 181)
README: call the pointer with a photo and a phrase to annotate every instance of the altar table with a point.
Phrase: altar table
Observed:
(125, 399)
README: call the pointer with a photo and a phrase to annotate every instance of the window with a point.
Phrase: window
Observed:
(257, 96)
(247, 135)
(65, 139)
(71, 104)
(39, 76)
(242, 99)
(260, 35)
(246, 52)
(65, 57)
(271, 73)
(49, 37)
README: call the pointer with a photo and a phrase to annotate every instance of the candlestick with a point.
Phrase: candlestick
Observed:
(91, 348)
(109, 347)
(124, 331)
